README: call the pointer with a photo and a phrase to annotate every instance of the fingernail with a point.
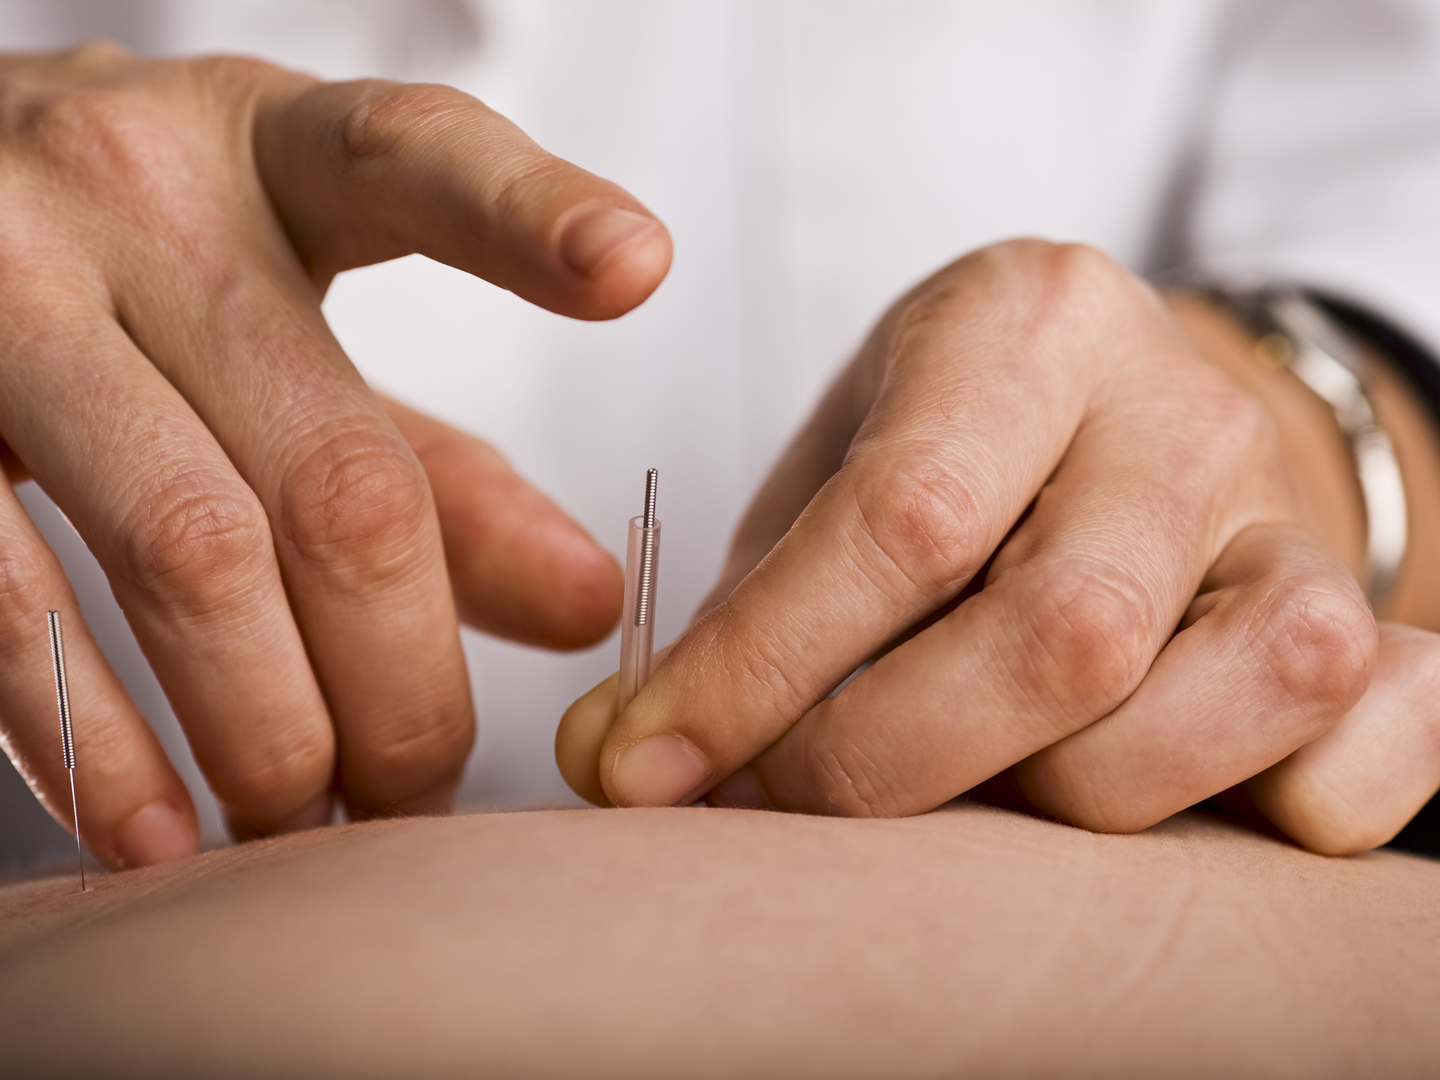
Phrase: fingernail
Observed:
(740, 791)
(659, 770)
(154, 834)
(588, 240)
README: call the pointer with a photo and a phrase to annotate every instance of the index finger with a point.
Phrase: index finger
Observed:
(981, 395)
(365, 171)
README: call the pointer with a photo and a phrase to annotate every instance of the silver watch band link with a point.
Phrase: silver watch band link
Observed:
(1296, 333)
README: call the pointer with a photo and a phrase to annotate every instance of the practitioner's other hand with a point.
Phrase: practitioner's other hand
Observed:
(1088, 561)
(168, 378)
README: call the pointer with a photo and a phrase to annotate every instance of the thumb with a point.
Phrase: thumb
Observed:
(520, 567)
(582, 732)
(361, 172)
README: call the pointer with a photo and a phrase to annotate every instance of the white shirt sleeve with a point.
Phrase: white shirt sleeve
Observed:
(1320, 164)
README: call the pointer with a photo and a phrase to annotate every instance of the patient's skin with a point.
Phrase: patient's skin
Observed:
(699, 942)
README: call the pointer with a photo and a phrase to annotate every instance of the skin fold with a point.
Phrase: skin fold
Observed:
(719, 943)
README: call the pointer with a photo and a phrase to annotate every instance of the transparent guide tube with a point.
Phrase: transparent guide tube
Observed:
(637, 623)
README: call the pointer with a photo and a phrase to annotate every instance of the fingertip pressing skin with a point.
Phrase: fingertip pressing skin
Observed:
(156, 833)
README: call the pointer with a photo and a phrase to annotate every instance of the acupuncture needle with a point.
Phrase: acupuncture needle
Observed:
(637, 621)
(67, 733)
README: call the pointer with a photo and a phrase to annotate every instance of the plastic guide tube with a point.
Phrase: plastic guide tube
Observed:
(637, 621)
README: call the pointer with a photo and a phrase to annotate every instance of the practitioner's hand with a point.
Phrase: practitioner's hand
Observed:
(167, 376)
(1029, 432)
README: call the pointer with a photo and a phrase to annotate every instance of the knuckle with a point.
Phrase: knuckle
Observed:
(1320, 644)
(1234, 421)
(390, 113)
(96, 51)
(86, 129)
(358, 503)
(1214, 447)
(1074, 266)
(129, 137)
(928, 307)
(1247, 421)
(240, 74)
(1051, 299)
(189, 542)
(1060, 278)
(1086, 643)
(919, 518)
(1076, 289)
(98, 104)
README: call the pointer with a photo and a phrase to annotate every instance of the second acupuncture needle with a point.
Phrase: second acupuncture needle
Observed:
(67, 732)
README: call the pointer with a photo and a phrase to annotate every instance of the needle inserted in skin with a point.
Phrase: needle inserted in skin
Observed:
(67, 733)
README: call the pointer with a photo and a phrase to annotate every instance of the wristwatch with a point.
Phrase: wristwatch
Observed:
(1294, 332)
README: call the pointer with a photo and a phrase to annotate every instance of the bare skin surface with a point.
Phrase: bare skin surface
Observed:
(702, 942)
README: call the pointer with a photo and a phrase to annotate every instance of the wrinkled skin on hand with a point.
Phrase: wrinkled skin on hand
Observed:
(1084, 565)
(277, 536)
